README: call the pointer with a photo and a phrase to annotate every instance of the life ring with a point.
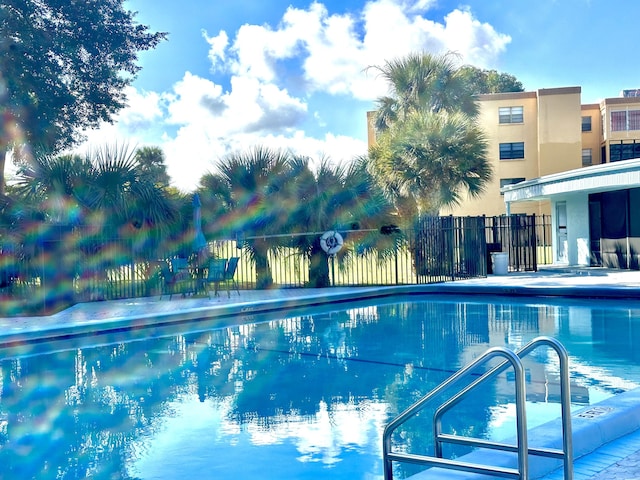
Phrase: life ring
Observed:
(331, 242)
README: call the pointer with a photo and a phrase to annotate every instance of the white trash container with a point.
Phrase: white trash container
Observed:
(500, 263)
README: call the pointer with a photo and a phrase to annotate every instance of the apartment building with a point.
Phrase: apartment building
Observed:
(583, 167)
(534, 134)
(580, 163)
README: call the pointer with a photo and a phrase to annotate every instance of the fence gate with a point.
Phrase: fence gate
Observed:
(516, 235)
(449, 248)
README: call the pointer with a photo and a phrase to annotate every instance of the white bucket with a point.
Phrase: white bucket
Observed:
(500, 263)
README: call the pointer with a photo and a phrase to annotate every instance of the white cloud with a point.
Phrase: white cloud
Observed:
(255, 106)
(194, 99)
(190, 154)
(334, 51)
(419, 5)
(143, 107)
(461, 32)
(139, 122)
(196, 160)
(479, 43)
(217, 46)
(270, 75)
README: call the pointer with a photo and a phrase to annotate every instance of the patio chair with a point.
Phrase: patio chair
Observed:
(223, 271)
(177, 279)
(230, 274)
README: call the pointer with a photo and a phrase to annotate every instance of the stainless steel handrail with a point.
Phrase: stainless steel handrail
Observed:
(566, 453)
(521, 421)
(521, 448)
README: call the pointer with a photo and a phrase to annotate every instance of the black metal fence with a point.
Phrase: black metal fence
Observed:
(525, 238)
(39, 275)
(449, 248)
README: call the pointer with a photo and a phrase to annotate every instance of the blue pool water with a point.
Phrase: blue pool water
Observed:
(302, 394)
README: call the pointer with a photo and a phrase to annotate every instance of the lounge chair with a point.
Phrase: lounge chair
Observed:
(223, 271)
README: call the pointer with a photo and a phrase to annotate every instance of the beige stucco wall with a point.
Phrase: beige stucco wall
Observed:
(625, 136)
(559, 130)
(491, 202)
(592, 139)
(552, 136)
(371, 132)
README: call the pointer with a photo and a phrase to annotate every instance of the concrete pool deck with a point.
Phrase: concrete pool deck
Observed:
(617, 459)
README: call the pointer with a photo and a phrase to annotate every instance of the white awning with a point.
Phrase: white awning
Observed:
(597, 178)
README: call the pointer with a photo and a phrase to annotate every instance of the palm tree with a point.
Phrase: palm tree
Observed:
(428, 147)
(334, 197)
(103, 195)
(422, 82)
(104, 188)
(217, 203)
(151, 161)
(428, 159)
(253, 184)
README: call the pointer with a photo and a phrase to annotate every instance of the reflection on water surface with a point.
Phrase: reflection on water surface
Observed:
(303, 394)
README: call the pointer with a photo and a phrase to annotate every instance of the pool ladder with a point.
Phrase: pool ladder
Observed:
(513, 359)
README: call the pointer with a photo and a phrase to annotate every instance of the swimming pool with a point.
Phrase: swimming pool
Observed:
(297, 394)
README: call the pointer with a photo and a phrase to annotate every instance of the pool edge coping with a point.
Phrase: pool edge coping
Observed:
(73, 328)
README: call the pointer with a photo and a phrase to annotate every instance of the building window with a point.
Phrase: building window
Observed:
(623, 151)
(586, 124)
(511, 151)
(511, 114)
(509, 181)
(623, 120)
(587, 157)
(618, 121)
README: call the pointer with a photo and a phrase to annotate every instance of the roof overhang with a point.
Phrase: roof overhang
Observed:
(597, 178)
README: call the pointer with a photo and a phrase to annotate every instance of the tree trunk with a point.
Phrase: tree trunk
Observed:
(263, 273)
(319, 267)
(264, 279)
(4, 152)
(57, 276)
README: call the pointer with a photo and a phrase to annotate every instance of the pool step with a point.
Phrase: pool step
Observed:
(593, 427)
(503, 454)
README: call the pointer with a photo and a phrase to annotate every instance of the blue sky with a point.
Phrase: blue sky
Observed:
(291, 74)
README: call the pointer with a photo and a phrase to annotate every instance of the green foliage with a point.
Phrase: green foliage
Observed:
(337, 197)
(256, 180)
(97, 213)
(332, 197)
(217, 203)
(103, 195)
(64, 66)
(103, 187)
(152, 163)
(261, 194)
(428, 159)
(252, 186)
(488, 81)
(428, 147)
(419, 82)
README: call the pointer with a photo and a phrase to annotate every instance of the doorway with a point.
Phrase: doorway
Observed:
(561, 233)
